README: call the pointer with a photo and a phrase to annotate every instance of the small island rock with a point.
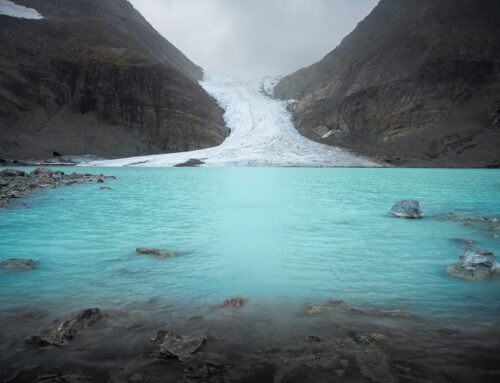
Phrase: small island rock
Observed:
(475, 265)
(407, 208)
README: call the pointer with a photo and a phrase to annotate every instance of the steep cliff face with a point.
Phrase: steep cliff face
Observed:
(93, 77)
(417, 83)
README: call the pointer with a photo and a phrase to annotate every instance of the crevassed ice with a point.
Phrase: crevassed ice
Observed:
(12, 9)
(262, 133)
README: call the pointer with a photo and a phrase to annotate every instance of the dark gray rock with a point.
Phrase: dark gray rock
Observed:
(475, 265)
(12, 173)
(407, 208)
(158, 253)
(234, 302)
(62, 331)
(166, 345)
(192, 163)
(17, 265)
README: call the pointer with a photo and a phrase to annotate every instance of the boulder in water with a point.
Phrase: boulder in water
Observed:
(62, 331)
(17, 265)
(475, 265)
(166, 345)
(159, 253)
(407, 208)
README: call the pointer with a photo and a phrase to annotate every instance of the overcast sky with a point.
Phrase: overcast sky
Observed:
(254, 37)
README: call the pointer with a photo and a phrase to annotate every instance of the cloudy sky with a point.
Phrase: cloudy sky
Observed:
(254, 37)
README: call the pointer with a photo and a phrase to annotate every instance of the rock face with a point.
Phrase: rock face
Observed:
(167, 345)
(474, 266)
(415, 84)
(61, 332)
(407, 208)
(17, 265)
(93, 77)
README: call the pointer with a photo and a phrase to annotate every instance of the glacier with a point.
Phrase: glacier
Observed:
(262, 133)
(9, 8)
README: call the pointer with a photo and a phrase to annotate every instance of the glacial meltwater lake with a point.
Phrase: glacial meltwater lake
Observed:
(281, 237)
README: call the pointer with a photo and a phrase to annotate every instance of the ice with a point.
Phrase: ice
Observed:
(9, 8)
(262, 132)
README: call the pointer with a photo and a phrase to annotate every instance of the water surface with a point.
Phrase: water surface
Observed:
(282, 237)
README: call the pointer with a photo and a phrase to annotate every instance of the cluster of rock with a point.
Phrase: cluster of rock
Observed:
(488, 224)
(233, 302)
(15, 184)
(167, 345)
(475, 265)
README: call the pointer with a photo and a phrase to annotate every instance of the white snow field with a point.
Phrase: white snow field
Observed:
(262, 133)
(9, 8)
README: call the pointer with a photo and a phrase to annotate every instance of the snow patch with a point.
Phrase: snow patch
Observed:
(262, 133)
(9, 8)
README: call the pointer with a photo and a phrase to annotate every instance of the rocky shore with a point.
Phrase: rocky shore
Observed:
(219, 346)
(16, 184)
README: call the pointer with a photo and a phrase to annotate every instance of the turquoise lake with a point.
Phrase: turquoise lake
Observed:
(284, 236)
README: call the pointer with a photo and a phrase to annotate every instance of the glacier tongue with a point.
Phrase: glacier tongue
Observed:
(262, 133)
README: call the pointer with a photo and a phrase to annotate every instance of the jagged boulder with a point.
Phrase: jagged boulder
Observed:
(407, 208)
(166, 345)
(62, 331)
(475, 265)
(17, 265)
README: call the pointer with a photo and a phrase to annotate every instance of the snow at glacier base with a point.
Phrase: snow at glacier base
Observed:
(262, 133)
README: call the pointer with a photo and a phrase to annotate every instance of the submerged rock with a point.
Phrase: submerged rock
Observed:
(61, 332)
(333, 305)
(407, 208)
(17, 264)
(234, 302)
(166, 345)
(159, 253)
(475, 265)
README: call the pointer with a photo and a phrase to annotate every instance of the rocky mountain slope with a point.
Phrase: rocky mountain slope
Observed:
(417, 83)
(93, 77)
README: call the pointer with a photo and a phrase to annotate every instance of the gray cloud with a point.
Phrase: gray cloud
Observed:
(254, 37)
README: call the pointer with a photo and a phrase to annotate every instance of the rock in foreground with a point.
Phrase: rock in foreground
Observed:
(474, 266)
(61, 332)
(407, 208)
(17, 265)
(159, 253)
(166, 345)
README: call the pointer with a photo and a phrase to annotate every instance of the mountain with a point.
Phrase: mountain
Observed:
(417, 83)
(93, 77)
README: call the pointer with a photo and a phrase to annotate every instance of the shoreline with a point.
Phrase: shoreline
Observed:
(18, 184)
(242, 347)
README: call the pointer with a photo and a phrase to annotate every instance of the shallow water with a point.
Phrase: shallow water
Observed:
(282, 237)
